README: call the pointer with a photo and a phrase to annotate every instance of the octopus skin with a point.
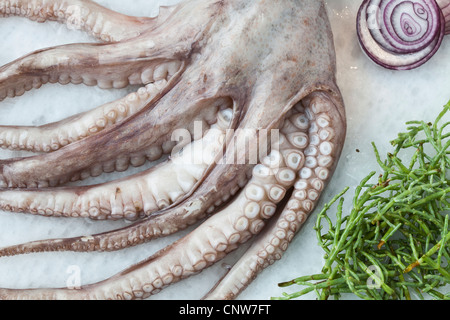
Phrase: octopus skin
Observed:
(248, 90)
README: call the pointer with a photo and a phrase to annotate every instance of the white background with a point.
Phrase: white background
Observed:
(378, 103)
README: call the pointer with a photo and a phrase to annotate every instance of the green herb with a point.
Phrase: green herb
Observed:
(394, 241)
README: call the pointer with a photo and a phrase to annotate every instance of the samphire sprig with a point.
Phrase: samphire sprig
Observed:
(394, 240)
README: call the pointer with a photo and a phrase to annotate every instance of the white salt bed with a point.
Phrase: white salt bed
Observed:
(378, 103)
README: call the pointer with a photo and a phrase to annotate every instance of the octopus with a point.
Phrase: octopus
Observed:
(236, 107)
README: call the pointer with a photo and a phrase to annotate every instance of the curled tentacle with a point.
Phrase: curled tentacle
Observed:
(326, 132)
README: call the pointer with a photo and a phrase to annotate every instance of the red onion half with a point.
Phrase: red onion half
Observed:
(401, 34)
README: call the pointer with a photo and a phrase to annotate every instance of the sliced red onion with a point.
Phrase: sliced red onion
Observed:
(401, 34)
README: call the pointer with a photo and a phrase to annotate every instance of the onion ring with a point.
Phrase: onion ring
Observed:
(401, 34)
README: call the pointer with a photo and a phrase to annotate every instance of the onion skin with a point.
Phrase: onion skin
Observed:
(402, 34)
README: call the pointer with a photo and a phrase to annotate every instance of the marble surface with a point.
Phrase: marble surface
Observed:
(378, 103)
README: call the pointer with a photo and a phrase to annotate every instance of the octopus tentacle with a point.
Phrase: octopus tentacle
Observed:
(104, 65)
(325, 130)
(164, 223)
(142, 194)
(54, 136)
(104, 24)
